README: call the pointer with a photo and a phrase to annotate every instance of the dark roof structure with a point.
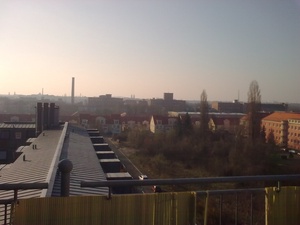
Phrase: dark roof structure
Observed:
(38, 162)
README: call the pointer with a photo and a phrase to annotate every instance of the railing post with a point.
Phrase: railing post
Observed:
(65, 166)
(236, 209)
(251, 212)
(221, 203)
(5, 214)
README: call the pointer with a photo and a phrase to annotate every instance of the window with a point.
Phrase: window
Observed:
(4, 134)
(2, 154)
(18, 135)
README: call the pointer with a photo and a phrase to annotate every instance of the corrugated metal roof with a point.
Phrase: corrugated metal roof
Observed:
(38, 162)
(37, 166)
(19, 126)
(41, 164)
(79, 149)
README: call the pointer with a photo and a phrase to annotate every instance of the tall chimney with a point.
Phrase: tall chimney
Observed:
(39, 118)
(73, 87)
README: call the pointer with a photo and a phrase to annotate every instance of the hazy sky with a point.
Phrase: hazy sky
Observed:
(145, 48)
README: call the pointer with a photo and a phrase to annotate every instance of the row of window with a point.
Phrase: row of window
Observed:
(294, 121)
(5, 135)
(295, 127)
(295, 134)
(295, 141)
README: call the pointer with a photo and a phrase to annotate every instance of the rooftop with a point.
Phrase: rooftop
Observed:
(38, 163)
(279, 116)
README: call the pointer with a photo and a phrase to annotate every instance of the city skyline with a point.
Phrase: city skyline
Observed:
(148, 48)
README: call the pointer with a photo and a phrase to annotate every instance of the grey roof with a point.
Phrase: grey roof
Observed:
(41, 164)
(38, 165)
(104, 152)
(79, 149)
(17, 125)
(109, 160)
(121, 175)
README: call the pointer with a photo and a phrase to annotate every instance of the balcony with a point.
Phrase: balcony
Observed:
(272, 205)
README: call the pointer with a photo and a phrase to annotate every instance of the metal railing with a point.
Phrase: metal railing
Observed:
(10, 203)
(276, 179)
(236, 192)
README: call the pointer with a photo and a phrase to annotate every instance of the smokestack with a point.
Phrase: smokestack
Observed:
(39, 118)
(72, 94)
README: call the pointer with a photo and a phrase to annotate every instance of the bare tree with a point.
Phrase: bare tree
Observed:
(204, 117)
(254, 104)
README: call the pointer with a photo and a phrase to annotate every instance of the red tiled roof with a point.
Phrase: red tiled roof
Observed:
(280, 116)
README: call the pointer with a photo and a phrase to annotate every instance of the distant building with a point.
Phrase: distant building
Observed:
(225, 121)
(168, 103)
(168, 96)
(162, 123)
(239, 107)
(12, 136)
(15, 131)
(270, 107)
(110, 124)
(284, 128)
(105, 103)
(228, 107)
(11, 117)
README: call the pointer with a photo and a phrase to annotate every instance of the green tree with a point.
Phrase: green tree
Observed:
(254, 104)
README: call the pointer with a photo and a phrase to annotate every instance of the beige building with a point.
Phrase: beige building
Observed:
(284, 127)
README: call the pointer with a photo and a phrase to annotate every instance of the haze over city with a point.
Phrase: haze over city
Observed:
(146, 48)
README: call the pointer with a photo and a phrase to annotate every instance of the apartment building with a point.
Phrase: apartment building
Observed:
(294, 133)
(284, 127)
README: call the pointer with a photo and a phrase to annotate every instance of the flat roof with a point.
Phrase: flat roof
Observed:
(118, 175)
(95, 137)
(104, 152)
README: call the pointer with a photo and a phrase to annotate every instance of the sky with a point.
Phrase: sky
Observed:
(146, 48)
